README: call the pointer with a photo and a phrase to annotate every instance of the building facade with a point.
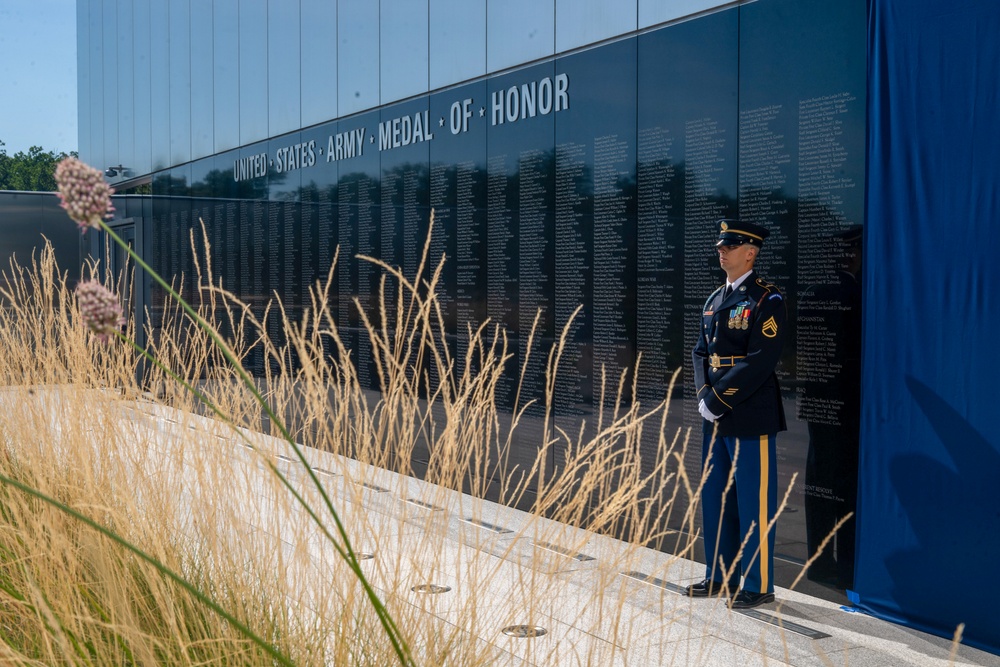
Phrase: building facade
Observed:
(574, 153)
(27, 221)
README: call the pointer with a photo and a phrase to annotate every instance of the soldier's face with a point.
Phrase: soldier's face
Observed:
(735, 257)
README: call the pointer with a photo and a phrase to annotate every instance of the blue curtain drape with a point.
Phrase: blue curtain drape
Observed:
(929, 497)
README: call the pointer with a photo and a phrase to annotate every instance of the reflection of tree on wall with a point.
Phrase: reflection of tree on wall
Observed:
(219, 183)
(420, 173)
(138, 189)
(832, 452)
(546, 174)
(770, 205)
(313, 193)
(216, 183)
(583, 187)
(252, 188)
(627, 188)
(348, 198)
(164, 184)
(670, 270)
(447, 208)
(408, 231)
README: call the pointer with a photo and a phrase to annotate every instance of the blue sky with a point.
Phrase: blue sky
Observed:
(38, 75)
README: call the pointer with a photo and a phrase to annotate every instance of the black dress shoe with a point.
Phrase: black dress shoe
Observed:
(706, 588)
(748, 600)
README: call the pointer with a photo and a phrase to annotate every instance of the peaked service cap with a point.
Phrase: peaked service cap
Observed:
(737, 232)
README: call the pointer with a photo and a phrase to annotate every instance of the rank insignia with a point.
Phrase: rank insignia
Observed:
(770, 328)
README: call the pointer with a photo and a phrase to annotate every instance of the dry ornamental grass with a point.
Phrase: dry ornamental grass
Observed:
(144, 458)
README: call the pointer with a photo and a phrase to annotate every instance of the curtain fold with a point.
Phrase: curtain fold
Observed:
(929, 489)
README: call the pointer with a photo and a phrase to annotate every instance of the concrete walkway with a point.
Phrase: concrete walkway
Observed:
(475, 568)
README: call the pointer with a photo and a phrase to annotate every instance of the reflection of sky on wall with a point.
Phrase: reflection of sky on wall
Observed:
(226, 75)
(652, 12)
(180, 53)
(357, 55)
(404, 49)
(284, 64)
(202, 79)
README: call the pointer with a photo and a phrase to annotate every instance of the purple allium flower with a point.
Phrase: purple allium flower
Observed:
(84, 194)
(100, 309)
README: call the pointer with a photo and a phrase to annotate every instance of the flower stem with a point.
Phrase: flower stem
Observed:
(163, 569)
(346, 552)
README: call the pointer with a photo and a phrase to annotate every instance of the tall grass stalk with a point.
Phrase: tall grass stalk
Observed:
(148, 461)
(216, 344)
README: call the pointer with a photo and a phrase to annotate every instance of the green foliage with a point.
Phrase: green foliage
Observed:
(33, 171)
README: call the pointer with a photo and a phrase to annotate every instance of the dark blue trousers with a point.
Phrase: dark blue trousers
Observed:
(741, 513)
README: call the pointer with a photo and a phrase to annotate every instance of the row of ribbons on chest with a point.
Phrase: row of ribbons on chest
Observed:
(739, 317)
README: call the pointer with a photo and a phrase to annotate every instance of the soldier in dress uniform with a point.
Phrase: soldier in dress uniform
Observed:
(742, 331)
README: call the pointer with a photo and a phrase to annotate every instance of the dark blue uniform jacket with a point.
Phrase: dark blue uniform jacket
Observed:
(735, 357)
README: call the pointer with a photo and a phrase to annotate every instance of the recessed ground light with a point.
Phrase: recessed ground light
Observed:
(565, 552)
(487, 526)
(430, 588)
(427, 506)
(524, 631)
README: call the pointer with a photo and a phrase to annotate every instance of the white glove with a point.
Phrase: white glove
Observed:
(703, 409)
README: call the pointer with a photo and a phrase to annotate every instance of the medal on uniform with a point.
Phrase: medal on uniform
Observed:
(735, 315)
(745, 324)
